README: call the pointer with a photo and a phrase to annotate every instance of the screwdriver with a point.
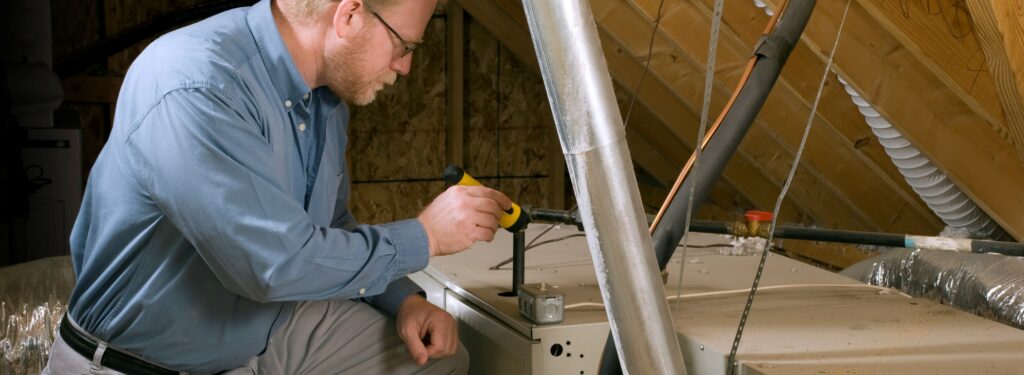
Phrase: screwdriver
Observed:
(512, 219)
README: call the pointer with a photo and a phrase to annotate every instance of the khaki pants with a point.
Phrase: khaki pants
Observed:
(322, 337)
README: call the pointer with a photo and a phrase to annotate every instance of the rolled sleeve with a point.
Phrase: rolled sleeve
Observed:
(394, 295)
(412, 237)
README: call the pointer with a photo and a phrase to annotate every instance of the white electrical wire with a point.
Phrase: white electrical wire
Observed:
(747, 290)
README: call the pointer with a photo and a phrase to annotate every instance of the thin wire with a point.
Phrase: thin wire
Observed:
(782, 195)
(772, 287)
(530, 245)
(709, 81)
(555, 240)
(574, 235)
(647, 66)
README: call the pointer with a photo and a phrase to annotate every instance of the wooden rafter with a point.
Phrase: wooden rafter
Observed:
(91, 89)
(903, 210)
(940, 35)
(1000, 27)
(662, 149)
(760, 165)
(506, 21)
(848, 184)
(974, 155)
(455, 86)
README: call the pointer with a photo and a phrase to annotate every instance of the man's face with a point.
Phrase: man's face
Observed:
(351, 75)
(373, 59)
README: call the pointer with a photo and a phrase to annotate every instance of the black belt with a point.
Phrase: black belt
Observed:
(112, 358)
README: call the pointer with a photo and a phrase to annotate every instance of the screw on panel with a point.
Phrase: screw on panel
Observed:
(556, 350)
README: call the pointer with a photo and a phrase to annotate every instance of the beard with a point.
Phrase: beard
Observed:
(345, 78)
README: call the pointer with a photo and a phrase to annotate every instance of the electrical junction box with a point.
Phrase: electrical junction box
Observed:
(541, 304)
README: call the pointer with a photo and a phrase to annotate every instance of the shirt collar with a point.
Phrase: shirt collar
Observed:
(291, 88)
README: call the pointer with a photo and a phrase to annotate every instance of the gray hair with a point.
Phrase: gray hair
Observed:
(311, 9)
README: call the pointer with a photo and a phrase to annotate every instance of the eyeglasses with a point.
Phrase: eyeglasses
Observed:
(407, 47)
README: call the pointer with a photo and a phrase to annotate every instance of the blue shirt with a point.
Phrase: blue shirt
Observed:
(220, 198)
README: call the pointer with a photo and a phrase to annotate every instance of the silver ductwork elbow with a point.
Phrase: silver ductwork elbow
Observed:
(593, 140)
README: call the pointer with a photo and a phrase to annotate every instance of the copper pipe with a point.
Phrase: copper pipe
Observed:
(714, 128)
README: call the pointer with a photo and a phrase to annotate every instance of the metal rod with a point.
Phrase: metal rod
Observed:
(593, 140)
(518, 260)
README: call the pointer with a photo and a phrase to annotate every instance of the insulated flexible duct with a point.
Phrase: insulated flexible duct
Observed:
(940, 193)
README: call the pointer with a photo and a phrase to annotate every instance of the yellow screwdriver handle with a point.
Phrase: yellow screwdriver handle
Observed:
(512, 219)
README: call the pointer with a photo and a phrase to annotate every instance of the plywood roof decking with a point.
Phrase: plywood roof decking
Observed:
(845, 179)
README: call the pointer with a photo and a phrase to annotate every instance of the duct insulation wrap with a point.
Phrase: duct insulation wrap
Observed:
(33, 298)
(990, 286)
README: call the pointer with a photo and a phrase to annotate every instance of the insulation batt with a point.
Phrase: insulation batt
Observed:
(33, 298)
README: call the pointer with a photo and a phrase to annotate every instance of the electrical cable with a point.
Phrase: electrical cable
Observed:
(731, 363)
(647, 65)
(531, 246)
(772, 287)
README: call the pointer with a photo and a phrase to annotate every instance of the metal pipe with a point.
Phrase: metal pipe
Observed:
(518, 260)
(593, 140)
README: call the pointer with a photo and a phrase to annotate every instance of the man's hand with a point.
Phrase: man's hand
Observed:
(428, 332)
(461, 216)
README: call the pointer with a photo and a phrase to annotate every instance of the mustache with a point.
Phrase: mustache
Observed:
(388, 78)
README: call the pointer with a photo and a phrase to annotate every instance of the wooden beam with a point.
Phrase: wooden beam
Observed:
(501, 25)
(939, 34)
(769, 148)
(455, 127)
(91, 89)
(1000, 28)
(841, 144)
(976, 157)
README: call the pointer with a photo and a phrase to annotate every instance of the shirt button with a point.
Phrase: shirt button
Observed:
(302, 126)
(362, 291)
(304, 97)
(288, 103)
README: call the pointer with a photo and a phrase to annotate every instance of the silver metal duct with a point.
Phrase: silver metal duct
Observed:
(594, 142)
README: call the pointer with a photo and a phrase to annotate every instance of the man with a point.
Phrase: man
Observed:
(215, 235)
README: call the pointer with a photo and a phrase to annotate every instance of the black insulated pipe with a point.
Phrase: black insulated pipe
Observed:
(518, 260)
(872, 238)
(771, 52)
